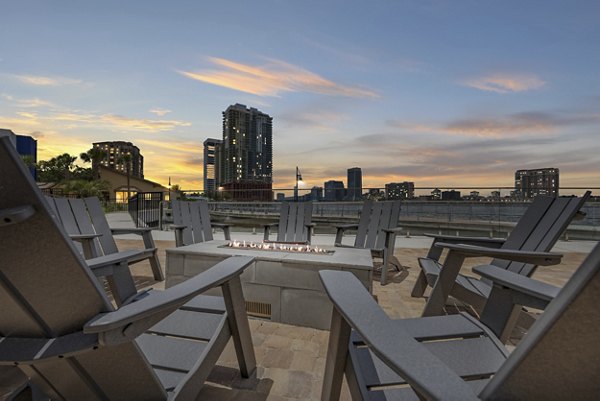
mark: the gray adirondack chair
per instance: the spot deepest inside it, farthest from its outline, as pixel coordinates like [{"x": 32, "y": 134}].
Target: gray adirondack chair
[
  {"x": 59, "y": 328},
  {"x": 376, "y": 230},
  {"x": 192, "y": 223},
  {"x": 85, "y": 222},
  {"x": 294, "y": 223},
  {"x": 456, "y": 357},
  {"x": 537, "y": 231}
]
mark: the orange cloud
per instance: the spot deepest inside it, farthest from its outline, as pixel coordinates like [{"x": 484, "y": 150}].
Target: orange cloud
[
  {"x": 273, "y": 79},
  {"x": 505, "y": 83}
]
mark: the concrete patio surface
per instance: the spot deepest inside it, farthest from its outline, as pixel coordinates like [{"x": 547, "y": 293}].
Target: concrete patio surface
[{"x": 291, "y": 359}]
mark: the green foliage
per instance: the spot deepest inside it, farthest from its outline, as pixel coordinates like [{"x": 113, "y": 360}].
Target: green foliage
[
  {"x": 57, "y": 169},
  {"x": 85, "y": 188},
  {"x": 93, "y": 156}
]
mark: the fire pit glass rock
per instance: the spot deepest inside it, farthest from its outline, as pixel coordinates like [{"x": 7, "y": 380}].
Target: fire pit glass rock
[{"x": 277, "y": 246}]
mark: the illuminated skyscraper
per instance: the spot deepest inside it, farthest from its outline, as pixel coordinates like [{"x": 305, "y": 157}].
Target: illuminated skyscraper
[{"x": 211, "y": 166}]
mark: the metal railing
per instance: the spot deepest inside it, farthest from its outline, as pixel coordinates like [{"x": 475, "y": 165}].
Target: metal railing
[{"x": 145, "y": 208}]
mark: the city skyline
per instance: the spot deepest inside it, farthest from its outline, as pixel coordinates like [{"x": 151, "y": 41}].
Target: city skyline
[{"x": 444, "y": 94}]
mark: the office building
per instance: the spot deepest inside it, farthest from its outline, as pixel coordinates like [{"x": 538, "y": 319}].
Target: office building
[
  {"x": 354, "y": 191},
  {"x": 211, "y": 166},
  {"x": 247, "y": 151},
  {"x": 334, "y": 191},
  {"x": 114, "y": 151},
  {"x": 530, "y": 183},
  {"x": 400, "y": 190}
]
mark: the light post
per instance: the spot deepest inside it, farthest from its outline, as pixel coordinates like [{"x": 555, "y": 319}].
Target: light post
[{"x": 298, "y": 180}]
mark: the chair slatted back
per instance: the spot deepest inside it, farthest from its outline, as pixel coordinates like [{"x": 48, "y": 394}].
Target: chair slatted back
[
  {"x": 539, "y": 228},
  {"x": 98, "y": 219},
  {"x": 47, "y": 291},
  {"x": 374, "y": 218},
  {"x": 559, "y": 358},
  {"x": 196, "y": 217},
  {"x": 293, "y": 221}
]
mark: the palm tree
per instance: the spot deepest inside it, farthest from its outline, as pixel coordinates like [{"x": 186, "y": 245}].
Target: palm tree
[
  {"x": 94, "y": 156},
  {"x": 84, "y": 188}
]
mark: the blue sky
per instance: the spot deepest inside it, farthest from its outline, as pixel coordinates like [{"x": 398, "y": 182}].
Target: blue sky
[{"x": 442, "y": 93}]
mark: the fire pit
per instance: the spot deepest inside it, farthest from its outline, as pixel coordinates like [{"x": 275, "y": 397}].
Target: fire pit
[{"x": 277, "y": 246}]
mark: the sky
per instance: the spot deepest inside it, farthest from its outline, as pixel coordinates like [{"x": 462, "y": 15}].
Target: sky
[{"x": 442, "y": 93}]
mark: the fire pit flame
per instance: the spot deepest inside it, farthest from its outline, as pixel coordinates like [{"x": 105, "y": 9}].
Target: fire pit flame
[{"x": 277, "y": 246}]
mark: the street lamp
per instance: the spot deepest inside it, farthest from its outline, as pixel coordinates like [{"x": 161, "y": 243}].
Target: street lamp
[{"x": 298, "y": 180}]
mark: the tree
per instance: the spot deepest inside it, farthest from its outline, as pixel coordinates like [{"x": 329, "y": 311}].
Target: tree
[
  {"x": 86, "y": 188},
  {"x": 57, "y": 169},
  {"x": 94, "y": 156}
]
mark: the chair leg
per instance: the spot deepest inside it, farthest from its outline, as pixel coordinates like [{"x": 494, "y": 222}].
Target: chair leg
[
  {"x": 240, "y": 328},
  {"x": 337, "y": 354},
  {"x": 420, "y": 286},
  {"x": 156, "y": 269}
]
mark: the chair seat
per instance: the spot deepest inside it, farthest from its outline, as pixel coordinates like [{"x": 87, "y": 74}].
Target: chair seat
[
  {"x": 449, "y": 338},
  {"x": 472, "y": 285}
]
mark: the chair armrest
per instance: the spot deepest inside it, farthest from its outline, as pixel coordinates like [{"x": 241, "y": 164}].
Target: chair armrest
[
  {"x": 225, "y": 228},
  {"x": 132, "y": 230},
  {"x": 83, "y": 237},
  {"x": 87, "y": 244},
  {"x": 465, "y": 239},
  {"x": 428, "y": 375},
  {"x": 177, "y": 226},
  {"x": 435, "y": 253},
  {"x": 134, "y": 318},
  {"x": 345, "y": 227},
  {"x": 536, "y": 258},
  {"x": 395, "y": 230},
  {"x": 104, "y": 265},
  {"x": 517, "y": 282},
  {"x": 340, "y": 232},
  {"x": 271, "y": 225}
]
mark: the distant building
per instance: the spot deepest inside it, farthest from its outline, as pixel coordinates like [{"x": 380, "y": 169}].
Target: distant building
[
  {"x": 354, "y": 191},
  {"x": 247, "y": 150},
  {"x": 211, "y": 166},
  {"x": 114, "y": 150},
  {"x": 530, "y": 183},
  {"x": 436, "y": 194},
  {"x": 495, "y": 195},
  {"x": 117, "y": 184},
  {"x": 248, "y": 191},
  {"x": 400, "y": 190},
  {"x": 26, "y": 147},
  {"x": 316, "y": 193},
  {"x": 334, "y": 191},
  {"x": 451, "y": 195}
]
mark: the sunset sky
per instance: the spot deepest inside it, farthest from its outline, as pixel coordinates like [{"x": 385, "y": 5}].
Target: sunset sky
[{"x": 442, "y": 93}]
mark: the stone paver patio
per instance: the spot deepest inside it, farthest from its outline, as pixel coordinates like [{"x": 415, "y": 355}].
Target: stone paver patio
[{"x": 291, "y": 359}]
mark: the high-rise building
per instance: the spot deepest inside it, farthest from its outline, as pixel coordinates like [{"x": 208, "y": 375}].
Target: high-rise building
[
  {"x": 400, "y": 190},
  {"x": 211, "y": 166},
  {"x": 530, "y": 183},
  {"x": 334, "y": 190},
  {"x": 247, "y": 149},
  {"x": 113, "y": 157},
  {"x": 247, "y": 145},
  {"x": 354, "y": 191}
]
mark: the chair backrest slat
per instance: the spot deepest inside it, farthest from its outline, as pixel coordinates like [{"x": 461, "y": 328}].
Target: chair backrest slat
[
  {"x": 83, "y": 221},
  {"x": 293, "y": 220},
  {"x": 195, "y": 216},
  {"x": 539, "y": 228},
  {"x": 374, "y": 218},
  {"x": 101, "y": 226}
]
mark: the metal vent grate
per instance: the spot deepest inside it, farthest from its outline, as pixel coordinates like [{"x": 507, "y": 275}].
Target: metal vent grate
[{"x": 258, "y": 309}]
